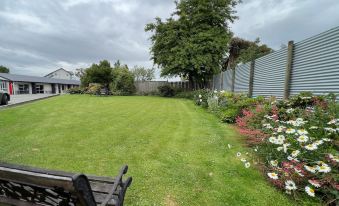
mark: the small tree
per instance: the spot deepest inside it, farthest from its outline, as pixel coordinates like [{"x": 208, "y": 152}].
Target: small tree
[
  {"x": 98, "y": 73},
  {"x": 143, "y": 74},
  {"x": 4, "y": 69},
  {"x": 123, "y": 80}
]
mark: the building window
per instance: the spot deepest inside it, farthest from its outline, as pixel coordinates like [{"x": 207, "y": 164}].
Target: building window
[
  {"x": 63, "y": 87},
  {"x": 23, "y": 89},
  {"x": 39, "y": 89},
  {"x": 3, "y": 86}
]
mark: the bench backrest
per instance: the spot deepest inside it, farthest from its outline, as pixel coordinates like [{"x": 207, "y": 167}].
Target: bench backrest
[{"x": 21, "y": 185}]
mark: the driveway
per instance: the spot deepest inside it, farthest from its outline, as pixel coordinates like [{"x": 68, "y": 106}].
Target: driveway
[{"x": 23, "y": 98}]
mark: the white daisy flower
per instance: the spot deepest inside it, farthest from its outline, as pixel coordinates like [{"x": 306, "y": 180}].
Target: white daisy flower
[
  {"x": 318, "y": 142},
  {"x": 292, "y": 158},
  {"x": 295, "y": 153},
  {"x": 324, "y": 168},
  {"x": 280, "y": 130},
  {"x": 328, "y": 129},
  {"x": 279, "y": 141},
  {"x": 280, "y": 149},
  {"x": 302, "y": 131},
  {"x": 272, "y": 139},
  {"x": 215, "y": 91},
  {"x": 274, "y": 163},
  {"x": 299, "y": 172},
  {"x": 290, "y": 131},
  {"x": 314, "y": 127},
  {"x": 222, "y": 91},
  {"x": 326, "y": 139},
  {"x": 315, "y": 183},
  {"x": 290, "y": 122},
  {"x": 310, "y": 191},
  {"x": 285, "y": 146},
  {"x": 290, "y": 110},
  {"x": 333, "y": 121},
  {"x": 310, "y": 169},
  {"x": 333, "y": 158},
  {"x": 238, "y": 154},
  {"x": 200, "y": 100},
  {"x": 290, "y": 185},
  {"x": 302, "y": 138},
  {"x": 243, "y": 160},
  {"x": 247, "y": 165},
  {"x": 200, "y": 96},
  {"x": 311, "y": 147},
  {"x": 273, "y": 175},
  {"x": 282, "y": 137}
]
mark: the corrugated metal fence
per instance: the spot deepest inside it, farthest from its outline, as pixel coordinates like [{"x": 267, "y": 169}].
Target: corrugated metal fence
[{"x": 314, "y": 67}]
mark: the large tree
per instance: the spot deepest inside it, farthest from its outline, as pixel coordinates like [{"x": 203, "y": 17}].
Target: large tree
[
  {"x": 193, "y": 41},
  {"x": 4, "y": 69}
]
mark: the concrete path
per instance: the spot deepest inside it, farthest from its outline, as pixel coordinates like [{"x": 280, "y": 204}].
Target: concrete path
[{"x": 24, "y": 98}]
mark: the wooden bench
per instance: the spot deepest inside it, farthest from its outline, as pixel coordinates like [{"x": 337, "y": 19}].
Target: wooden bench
[{"x": 28, "y": 186}]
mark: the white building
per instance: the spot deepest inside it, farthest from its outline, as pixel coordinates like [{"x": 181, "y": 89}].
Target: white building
[
  {"x": 22, "y": 84},
  {"x": 60, "y": 74}
]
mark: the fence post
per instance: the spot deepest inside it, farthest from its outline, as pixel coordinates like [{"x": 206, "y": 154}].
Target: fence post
[
  {"x": 288, "y": 69},
  {"x": 233, "y": 79},
  {"x": 250, "y": 86}
]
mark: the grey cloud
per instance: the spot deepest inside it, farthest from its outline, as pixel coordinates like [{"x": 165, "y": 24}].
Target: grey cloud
[{"x": 39, "y": 36}]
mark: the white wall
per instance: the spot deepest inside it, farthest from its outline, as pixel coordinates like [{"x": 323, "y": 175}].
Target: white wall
[
  {"x": 16, "y": 87},
  {"x": 60, "y": 74}
]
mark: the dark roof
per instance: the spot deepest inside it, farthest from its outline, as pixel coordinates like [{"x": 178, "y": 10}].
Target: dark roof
[
  {"x": 58, "y": 70},
  {"x": 24, "y": 78}
]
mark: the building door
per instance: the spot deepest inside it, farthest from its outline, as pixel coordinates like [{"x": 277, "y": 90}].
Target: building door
[
  {"x": 53, "y": 89},
  {"x": 33, "y": 88}
]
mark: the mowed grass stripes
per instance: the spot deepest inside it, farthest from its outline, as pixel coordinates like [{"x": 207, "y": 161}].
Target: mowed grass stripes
[{"x": 177, "y": 153}]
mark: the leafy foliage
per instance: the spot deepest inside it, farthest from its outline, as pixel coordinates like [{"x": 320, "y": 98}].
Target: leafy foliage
[
  {"x": 123, "y": 80},
  {"x": 98, "y": 73},
  {"x": 193, "y": 41},
  {"x": 4, "y": 69},
  {"x": 243, "y": 51},
  {"x": 143, "y": 74},
  {"x": 166, "y": 91}
]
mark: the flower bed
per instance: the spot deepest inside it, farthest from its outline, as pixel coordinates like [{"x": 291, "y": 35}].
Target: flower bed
[{"x": 296, "y": 140}]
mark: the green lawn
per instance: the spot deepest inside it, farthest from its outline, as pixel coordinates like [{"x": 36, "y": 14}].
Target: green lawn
[{"x": 177, "y": 152}]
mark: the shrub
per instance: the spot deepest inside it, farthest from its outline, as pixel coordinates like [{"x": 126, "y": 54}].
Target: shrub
[
  {"x": 123, "y": 82},
  {"x": 297, "y": 140},
  {"x": 166, "y": 91},
  {"x": 75, "y": 90},
  {"x": 94, "y": 89}
]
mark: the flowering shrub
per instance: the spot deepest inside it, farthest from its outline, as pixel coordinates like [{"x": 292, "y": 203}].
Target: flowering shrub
[
  {"x": 226, "y": 105},
  {"x": 298, "y": 140}
]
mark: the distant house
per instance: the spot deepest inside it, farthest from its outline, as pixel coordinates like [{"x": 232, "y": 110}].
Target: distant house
[
  {"x": 22, "y": 84},
  {"x": 60, "y": 74}
]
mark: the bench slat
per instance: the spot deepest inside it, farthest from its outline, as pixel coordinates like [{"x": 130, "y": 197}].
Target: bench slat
[{"x": 36, "y": 179}]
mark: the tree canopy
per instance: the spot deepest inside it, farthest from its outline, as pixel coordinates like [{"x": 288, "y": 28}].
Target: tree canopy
[
  {"x": 193, "y": 41},
  {"x": 4, "y": 69},
  {"x": 142, "y": 74},
  {"x": 98, "y": 73},
  {"x": 243, "y": 51}
]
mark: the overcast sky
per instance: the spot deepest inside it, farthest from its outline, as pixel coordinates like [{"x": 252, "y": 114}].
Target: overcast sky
[{"x": 39, "y": 36}]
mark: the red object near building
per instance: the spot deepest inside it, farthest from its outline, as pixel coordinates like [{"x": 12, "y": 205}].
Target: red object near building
[{"x": 11, "y": 88}]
